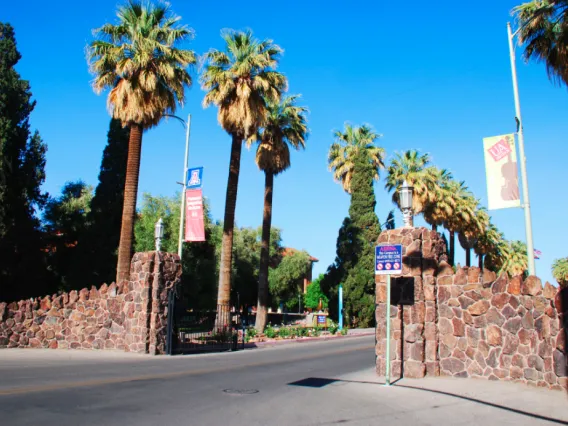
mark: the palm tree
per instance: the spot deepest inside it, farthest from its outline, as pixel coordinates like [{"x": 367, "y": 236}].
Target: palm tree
[
  {"x": 472, "y": 229},
  {"x": 239, "y": 81},
  {"x": 285, "y": 126},
  {"x": 543, "y": 29},
  {"x": 462, "y": 214},
  {"x": 443, "y": 205},
  {"x": 516, "y": 260},
  {"x": 488, "y": 242},
  {"x": 417, "y": 171},
  {"x": 342, "y": 153},
  {"x": 139, "y": 60},
  {"x": 560, "y": 271}
]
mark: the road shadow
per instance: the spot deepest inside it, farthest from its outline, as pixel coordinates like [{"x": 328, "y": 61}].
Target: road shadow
[{"x": 320, "y": 382}]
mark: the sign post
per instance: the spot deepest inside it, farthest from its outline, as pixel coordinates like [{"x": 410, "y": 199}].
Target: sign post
[{"x": 388, "y": 261}]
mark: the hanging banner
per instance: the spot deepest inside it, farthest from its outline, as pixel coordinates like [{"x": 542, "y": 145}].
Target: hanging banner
[
  {"x": 501, "y": 172},
  {"x": 194, "y": 224},
  {"x": 194, "y": 178}
]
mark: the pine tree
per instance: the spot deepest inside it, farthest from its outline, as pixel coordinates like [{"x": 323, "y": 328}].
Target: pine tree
[
  {"x": 106, "y": 207},
  {"x": 364, "y": 230},
  {"x": 22, "y": 163}
]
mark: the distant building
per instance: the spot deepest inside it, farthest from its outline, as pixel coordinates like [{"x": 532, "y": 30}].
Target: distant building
[{"x": 308, "y": 277}]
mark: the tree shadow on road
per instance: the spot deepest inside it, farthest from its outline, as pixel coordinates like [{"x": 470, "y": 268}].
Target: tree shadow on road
[{"x": 320, "y": 382}]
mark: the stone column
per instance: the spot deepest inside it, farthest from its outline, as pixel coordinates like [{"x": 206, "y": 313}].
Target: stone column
[{"x": 413, "y": 327}]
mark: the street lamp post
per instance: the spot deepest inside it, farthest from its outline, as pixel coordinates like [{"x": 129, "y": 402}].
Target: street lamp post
[
  {"x": 522, "y": 159},
  {"x": 185, "y": 166},
  {"x": 159, "y": 233},
  {"x": 405, "y": 197}
]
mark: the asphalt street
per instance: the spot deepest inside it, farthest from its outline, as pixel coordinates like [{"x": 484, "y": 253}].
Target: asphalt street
[{"x": 316, "y": 383}]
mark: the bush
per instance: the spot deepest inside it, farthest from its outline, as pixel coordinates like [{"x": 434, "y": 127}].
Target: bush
[
  {"x": 316, "y": 331},
  {"x": 332, "y": 326},
  {"x": 303, "y": 332},
  {"x": 344, "y": 331},
  {"x": 270, "y": 332},
  {"x": 250, "y": 334},
  {"x": 284, "y": 332}
]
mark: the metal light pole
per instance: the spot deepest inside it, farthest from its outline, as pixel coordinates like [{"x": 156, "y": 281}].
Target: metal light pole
[
  {"x": 185, "y": 166},
  {"x": 522, "y": 158},
  {"x": 340, "y": 307}
]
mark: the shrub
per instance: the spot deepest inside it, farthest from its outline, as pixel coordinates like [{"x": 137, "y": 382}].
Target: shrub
[
  {"x": 284, "y": 332},
  {"x": 250, "y": 334},
  {"x": 303, "y": 331},
  {"x": 332, "y": 326},
  {"x": 316, "y": 331},
  {"x": 270, "y": 332},
  {"x": 314, "y": 294},
  {"x": 344, "y": 331}
]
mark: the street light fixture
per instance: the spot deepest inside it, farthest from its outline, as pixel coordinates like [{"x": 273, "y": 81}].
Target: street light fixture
[
  {"x": 406, "y": 193},
  {"x": 159, "y": 233}
]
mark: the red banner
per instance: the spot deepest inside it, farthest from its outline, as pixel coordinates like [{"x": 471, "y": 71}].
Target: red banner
[{"x": 194, "y": 224}]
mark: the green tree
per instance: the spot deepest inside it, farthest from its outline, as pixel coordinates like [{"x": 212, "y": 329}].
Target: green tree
[
  {"x": 106, "y": 207},
  {"x": 22, "y": 164},
  {"x": 239, "y": 82},
  {"x": 66, "y": 224},
  {"x": 314, "y": 294},
  {"x": 342, "y": 154},
  {"x": 417, "y": 171},
  {"x": 139, "y": 60},
  {"x": 560, "y": 271},
  {"x": 543, "y": 29},
  {"x": 515, "y": 260},
  {"x": 286, "y": 280},
  {"x": 365, "y": 229},
  {"x": 356, "y": 168},
  {"x": 285, "y": 126}
]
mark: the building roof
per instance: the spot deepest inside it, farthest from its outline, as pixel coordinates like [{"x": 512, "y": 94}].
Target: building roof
[{"x": 287, "y": 251}]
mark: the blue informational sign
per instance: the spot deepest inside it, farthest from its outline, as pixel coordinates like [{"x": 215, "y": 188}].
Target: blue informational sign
[
  {"x": 388, "y": 259},
  {"x": 194, "y": 178}
]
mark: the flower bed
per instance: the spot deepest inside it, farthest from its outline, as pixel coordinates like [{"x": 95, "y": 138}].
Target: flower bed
[{"x": 283, "y": 332}]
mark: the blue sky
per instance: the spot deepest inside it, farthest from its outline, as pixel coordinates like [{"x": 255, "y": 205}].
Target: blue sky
[{"x": 430, "y": 76}]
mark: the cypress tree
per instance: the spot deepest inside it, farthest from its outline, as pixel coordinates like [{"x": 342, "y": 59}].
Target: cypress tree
[
  {"x": 364, "y": 230},
  {"x": 106, "y": 207},
  {"x": 22, "y": 164}
]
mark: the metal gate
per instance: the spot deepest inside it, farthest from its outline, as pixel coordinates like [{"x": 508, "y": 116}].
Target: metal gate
[{"x": 203, "y": 330}]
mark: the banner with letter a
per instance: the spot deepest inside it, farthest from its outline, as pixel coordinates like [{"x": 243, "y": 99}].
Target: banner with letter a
[
  {"x": 501, "y": 171},
  {"x": 194, "y": 221}
]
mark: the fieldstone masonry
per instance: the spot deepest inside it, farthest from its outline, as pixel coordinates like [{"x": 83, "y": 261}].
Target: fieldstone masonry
[
  {"x": 131, "y": 316},
  {"x": 469, "y": 323}
]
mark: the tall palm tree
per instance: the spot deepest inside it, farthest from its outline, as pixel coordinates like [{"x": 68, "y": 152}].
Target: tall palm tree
[
  {"x": 285, "y": 126},
  {"x": 443, "y": 204},
  {"x": 488, "y": 242},
  {"x": 463, "y": 212},
  {"x": 140, "y": 61},
  {"x": 472, "y": 229},
  {"x": 543, "y": 29},
  {"x": 515, "y": 261},
  {"x": 342, "y": 153},
  {"x": 417, "y": 171},
  {"x": 239, "y": 81}
]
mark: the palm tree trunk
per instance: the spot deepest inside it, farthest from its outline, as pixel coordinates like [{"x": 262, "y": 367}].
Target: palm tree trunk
[
  {"x": 480, "y": 261},
  {"x": 129, "y": 207},
  {"x": 467, "y": 257},
  {"x": 264, "y": 253},
  {"x": 224, "y": 292},
  {"x": 434, "y": 227},
  {"x": 452, "y": 247}
]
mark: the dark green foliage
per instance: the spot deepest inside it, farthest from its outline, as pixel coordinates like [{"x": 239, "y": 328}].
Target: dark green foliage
[
  {"x": 354, "y": 263},
  {"x": 286, "y": 280},
  {"x": 314, "y": 294},
  {"x": 66, "y": 224},
  {"x": 22, "y": 162},
  {"x": 106, "y": 207}
]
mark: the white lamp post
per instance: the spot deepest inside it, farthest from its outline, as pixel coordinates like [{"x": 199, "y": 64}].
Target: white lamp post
[
  {"x": 405, "y": 196},
  {"x": 159, "y": 233}
]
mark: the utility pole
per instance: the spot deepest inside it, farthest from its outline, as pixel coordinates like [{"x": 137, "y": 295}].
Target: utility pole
[
  {"x": 185, "y": 166},
  {"x": 526, "y": 203}
]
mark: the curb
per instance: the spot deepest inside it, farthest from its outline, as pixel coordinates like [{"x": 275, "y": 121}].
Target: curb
[{"x": 304, "y": 340}]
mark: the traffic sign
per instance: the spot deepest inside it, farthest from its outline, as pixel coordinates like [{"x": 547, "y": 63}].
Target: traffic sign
[{"x": 388, "y": 259}]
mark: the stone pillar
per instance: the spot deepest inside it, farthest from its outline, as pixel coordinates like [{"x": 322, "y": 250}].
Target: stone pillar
[
  {"x": 413, "y": 327},
  {"x": 152, "y": 275}
]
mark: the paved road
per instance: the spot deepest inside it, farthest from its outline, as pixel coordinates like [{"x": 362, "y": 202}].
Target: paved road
[{"x": 316, "y": 383}]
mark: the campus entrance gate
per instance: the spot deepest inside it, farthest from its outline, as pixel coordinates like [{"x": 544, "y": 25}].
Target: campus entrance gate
[{"x": 203, "y": 330}]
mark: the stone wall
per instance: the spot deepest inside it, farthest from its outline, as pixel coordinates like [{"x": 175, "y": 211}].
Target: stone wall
[
  {"x": 130, "y": 316},
  {"x": 500, "y": 329},
  {"x": 468, "y": 323}
]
